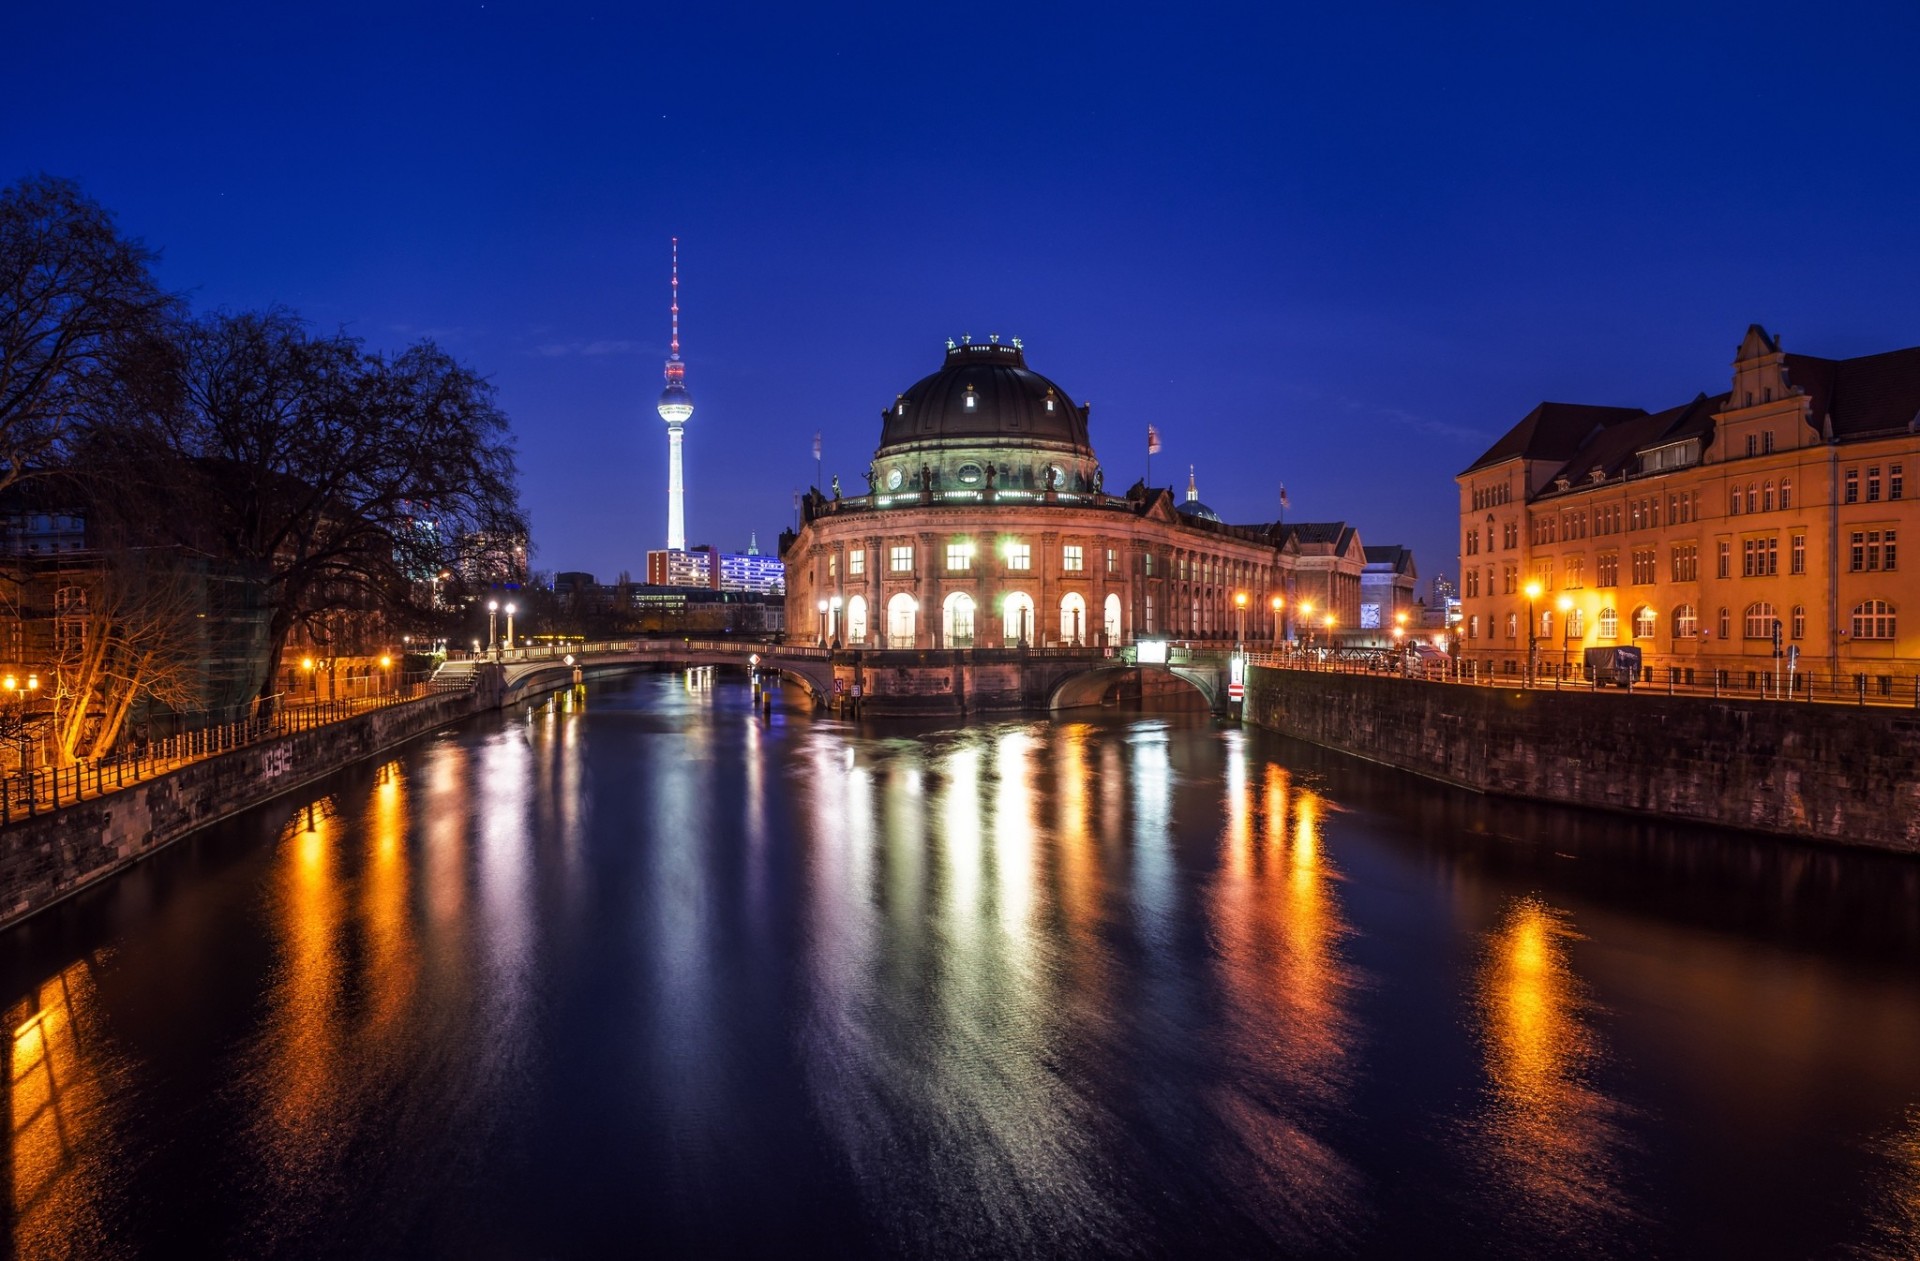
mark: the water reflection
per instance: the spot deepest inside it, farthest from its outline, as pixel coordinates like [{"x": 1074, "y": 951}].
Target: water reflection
[
  {"x": 61, "y": 1119},
  {"x": 1549, "y": 1139},
  {"x": 688, "y": 981},
  {"x": 1289, "y": 1032}
]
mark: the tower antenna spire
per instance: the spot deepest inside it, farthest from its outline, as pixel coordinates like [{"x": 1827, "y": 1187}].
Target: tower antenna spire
[{"x": 675, "y": 345}]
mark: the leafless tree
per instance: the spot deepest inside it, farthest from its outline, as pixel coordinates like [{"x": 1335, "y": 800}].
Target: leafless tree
[{"x": 80, "y": 317}]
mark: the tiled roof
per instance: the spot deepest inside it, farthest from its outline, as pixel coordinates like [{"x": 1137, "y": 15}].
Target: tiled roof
[
  {"x": 1554, "y": 431},
  {"x": 1871, "y": 394}
]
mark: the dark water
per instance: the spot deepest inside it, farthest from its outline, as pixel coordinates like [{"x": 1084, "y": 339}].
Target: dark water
[{"x": 653, "y": 977}]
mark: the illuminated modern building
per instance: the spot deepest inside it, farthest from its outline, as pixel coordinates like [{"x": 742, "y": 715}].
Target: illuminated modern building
[
  {"x": 1735, "y": 534},
  {"x": 718, "y": 571},
  {"x": 986, "y": 523},
  {"x": 676, "y": 408}
]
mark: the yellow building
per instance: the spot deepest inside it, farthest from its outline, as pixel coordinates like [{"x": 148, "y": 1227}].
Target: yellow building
[{"x": 1732, "y": 534}]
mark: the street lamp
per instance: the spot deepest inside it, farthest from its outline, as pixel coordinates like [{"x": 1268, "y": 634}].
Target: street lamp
[
  {"x": 1566, "y": 630},
  {"x": 1277, "y": 604},
  {"x": 1533, "y": 629},
  {"x": 386, "y": 664},
  {"x": 1240, "y": 616},
  {"x": 833, "y": 621},
  {"x": 509, "y": 626},
  {"x": 493, "y": 615},
  {"x": 823, "y": 623}
]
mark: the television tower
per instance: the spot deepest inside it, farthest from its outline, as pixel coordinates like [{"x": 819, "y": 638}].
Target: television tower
[{"x": 675, "y": 406}]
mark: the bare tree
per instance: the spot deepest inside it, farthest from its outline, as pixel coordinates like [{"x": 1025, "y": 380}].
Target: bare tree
[
  {"x": 346, "y": 479},
  {"x": 80, "y": 316}
]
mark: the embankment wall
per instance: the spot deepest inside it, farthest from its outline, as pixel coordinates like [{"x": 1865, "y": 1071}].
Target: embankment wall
[{"x": 1825, "y": 772}]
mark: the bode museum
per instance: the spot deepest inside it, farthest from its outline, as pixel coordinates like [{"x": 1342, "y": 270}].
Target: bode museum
[{"x": 988, "y": 523}]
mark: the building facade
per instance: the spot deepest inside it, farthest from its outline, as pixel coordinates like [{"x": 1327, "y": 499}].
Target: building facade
[
  {"x": 986, "y": 523},
  {"x": 1731, "y": 537}
]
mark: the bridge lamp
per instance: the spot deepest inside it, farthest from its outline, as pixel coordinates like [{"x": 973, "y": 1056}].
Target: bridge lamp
[
  {"x": 509, "y": 626},
  {"x": 1240, "y": 620},
  {"x": 493, "y": 612},
  {"x": 823, "y": 623},
  {"x": 1277, "y": 604}
]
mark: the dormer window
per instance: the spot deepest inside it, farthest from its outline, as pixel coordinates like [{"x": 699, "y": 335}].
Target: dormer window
[{"x": 970, "y": 398}]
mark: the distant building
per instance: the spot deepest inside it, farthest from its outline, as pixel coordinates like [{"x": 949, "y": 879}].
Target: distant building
[
  {"x": 729, "y": 571},
  {"x": 1722, "y": 536}
]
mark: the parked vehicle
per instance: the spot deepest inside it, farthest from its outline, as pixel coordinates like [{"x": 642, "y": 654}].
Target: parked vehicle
[{"x": 1618, "y": 666}]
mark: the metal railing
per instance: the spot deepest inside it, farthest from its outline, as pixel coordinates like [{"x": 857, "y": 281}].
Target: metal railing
[
  {"x": 1730, "y": 683},
  {"x": 32, "y": 791}
]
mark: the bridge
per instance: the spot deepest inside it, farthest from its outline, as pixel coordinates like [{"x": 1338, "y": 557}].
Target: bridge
[{"x": 961, "y": 680}]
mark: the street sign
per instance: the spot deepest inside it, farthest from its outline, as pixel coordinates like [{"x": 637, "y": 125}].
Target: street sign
[
  {"x": 839, "y": 686},
  {"x": 1236, "y": 691}
]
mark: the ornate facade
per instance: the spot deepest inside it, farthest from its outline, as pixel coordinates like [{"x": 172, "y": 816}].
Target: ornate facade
[{"x": 987, "y": 524}]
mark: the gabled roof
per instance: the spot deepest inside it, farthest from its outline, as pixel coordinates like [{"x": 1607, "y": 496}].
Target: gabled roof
[
  {"x": 1399, "y": 558},
  {"x": 1553, "y": 432},
  {"x": 1336, "y": 537},
  {"x": 1871, "y": 394}
]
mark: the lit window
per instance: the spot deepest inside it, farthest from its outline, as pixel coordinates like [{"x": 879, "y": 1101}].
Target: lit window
[
  {"x": 1644, "y": 621},
  {"x": 1113, "y": 561},
  {"x": 1609, "y": 624},
  {"x": 959, "y": 556},
  {"x": 900, "y": 560},
  {"x": 1686, "y": 622},
  {"x": 1019, "y": 556},
  {"x": 1873, "y": 619},
  {"x": 1072, "y": 560},
  {"x": 1760, "y": 621},
  {"x": 856, "y": 562}
]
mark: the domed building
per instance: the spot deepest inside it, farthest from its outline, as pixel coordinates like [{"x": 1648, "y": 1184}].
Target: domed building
[{"x": 987, "y": 524}]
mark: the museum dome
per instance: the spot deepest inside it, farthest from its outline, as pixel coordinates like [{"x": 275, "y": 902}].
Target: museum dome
[{"x": 985, "y": 393}]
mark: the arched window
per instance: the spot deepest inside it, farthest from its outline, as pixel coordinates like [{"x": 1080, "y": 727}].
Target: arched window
[
  {"x": 1017, "y": 619},
  {"x": 956, "y": 621},
  {"x": 1799, "y": 621},
  {"x": 1753, "y": 497},
  {"x": 1576, "y": 624},
  {"x": 857, "y": 620},
  {"x": 1546, "y": 624},
  {"x": 1513, "y": 626},
  {"x": 1726, "y": 624},
  {"x": 1760, "y": 620},
  {"x": 1609, "y": 624},
  {"x": 1786, "y": 493},
  {"x": 1766, "y": 496},
  {"x": 1073, "y": 619},
  {"x": 1111, "y": 623},
  {"x": 902, "y": 621},
  {"x": 1645, "y": 620},
  {"x": 1733, "y": 502},
  {"x": 1873, "y": 619},
  {"x": 1686, "y": 622}
]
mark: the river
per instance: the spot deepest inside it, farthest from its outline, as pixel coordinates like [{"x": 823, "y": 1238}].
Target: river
[{"x": 648, "y": 974}]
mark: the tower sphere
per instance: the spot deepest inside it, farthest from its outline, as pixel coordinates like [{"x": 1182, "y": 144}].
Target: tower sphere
[{"x": 676, "y": 404}]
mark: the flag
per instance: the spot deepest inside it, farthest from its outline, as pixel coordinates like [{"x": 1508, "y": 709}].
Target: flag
[
  {"x": 1153, "y": 441},
  {"x": 1284, "y": 503},
  {"x": 816, "y": 444}
]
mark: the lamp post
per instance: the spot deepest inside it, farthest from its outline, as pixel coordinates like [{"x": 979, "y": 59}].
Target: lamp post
[
  {"x": 1566, "y": 631},
  {"x": 386, "y": 669},
  {"x": 823, "y": 623},
  {"x": 1277, "y": 604},
  {"x": 493, "y": 616},
  {"x": 509, "y": 626},
  {"x": 1306, "y": 619},
  {"x": 1533, "y": 630},
  {"x": 1240, "y": 619},
  {"x": 833, "y": 620},
  {"x": 18, "y": 698},
  {"x": 1330, "y": 622}
]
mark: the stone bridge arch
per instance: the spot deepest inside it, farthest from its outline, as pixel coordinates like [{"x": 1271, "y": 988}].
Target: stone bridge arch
[{"x": 1082, "y": 688}]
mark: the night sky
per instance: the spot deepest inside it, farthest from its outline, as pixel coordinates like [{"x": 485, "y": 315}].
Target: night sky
[{"x": 1341, "y": 248}]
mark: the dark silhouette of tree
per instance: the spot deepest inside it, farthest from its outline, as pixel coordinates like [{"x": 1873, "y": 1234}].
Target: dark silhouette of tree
[
  {"x": 80, "y": 319},
  {"x": 347, "y": 479}
]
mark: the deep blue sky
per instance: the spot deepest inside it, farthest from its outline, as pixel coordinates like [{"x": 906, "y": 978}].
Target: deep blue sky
[{"x": 1342, "y": 247}]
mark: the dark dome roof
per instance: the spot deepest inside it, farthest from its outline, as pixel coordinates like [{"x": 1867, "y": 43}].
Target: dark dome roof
[
  {"x": 1194, "y": 508},
  {"x": 1008, "y": 403}
]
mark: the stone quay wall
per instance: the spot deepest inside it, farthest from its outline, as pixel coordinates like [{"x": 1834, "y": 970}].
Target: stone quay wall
[
  {"x": 1835, "y": 773},
  {"x": 44, "y": 859}
]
